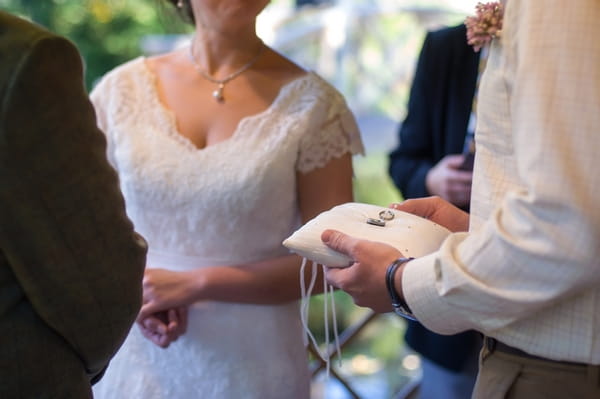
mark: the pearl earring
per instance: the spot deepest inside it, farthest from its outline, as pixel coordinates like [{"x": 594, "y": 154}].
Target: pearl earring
[{"x": 180, "y": 4}]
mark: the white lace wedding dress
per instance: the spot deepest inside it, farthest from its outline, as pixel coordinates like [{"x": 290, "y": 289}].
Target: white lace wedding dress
[{"x": 230, "y": 203}]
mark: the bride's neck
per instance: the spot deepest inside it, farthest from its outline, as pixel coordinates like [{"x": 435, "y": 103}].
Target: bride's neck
[{"x": 215, "y": 51}]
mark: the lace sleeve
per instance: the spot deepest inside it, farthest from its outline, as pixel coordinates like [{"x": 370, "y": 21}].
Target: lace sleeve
[
  {"x": 99, "y": 97},
  {"x": 337, "y": 135}
]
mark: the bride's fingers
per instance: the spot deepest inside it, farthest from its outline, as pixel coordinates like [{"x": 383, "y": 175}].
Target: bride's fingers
[
  {"x": 172, "y": 323},
  {"x": 183, "y": 318},
  {"x": 177, "y": 322},
  {"x": 157, "y": 339},
  {"x": 148, "y": 308},
  {"x": 155, "y": 324}
]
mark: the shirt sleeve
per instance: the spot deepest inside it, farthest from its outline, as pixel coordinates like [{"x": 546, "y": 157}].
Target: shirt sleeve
[{"x": 537, "y": 248}]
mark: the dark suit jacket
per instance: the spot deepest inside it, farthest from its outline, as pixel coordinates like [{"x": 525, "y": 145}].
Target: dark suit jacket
[
  {"x": 436, "y": 124},
  {"x": 438, "y": 109},
  {"x": 70, "y": 263}
]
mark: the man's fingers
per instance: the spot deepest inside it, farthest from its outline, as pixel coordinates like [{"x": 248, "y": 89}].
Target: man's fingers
[
  {"x": 338, "y": 241},
  {"x": 459, "y": 177},
  {"x": 454, "y": 161},
  {"x": 423, "y": 207},
  {"x": 334, "y": 276}
]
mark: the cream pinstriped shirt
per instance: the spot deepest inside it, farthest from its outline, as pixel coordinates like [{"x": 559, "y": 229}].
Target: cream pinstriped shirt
[{"x": 529, "y": 271}]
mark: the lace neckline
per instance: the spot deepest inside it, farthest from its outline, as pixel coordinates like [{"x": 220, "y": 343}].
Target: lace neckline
[{"x": 168, "y": 120}]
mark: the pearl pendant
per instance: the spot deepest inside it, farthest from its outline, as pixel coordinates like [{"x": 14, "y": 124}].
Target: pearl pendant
[{"x": 218, "y": 94}]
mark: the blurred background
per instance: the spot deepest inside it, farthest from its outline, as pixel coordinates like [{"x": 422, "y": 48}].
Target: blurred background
[{"x": 365, "y": 48}]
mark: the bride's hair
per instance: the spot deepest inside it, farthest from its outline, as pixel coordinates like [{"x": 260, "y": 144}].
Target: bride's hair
[{"x": 185, "y": 11}]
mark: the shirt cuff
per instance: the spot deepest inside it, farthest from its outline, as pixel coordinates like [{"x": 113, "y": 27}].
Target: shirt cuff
[{"x": 424, "y": 293}]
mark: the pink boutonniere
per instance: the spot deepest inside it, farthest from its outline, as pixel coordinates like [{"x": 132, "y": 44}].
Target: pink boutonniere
[{"x": 485, "y": 25}]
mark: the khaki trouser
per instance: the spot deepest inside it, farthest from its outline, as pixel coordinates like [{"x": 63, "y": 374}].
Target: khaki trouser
[{"x": 507, "y": 376}]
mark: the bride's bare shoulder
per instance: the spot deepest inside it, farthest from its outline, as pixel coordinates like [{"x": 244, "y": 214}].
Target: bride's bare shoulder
[
  {"x": 281, "y": 67},
  {"x": 171, "y": 61}
]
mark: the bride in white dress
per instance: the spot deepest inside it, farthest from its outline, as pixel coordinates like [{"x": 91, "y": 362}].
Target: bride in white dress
[{"x": 223, "y": 149}]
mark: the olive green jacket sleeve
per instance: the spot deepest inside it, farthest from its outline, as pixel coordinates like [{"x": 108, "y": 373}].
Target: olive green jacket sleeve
[{"x": 71, "y": 264}]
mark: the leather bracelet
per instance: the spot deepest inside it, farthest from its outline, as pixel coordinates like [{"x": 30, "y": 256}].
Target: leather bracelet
[{"x": 400, "y": 306}]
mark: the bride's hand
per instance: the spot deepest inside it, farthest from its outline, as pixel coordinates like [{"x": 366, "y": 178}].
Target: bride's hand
[
  {"x": 165, "y": 327},
  {"x": 165, "y": 289}
]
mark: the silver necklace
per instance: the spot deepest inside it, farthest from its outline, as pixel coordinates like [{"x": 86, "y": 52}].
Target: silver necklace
[{"x": 218, "y": 93}]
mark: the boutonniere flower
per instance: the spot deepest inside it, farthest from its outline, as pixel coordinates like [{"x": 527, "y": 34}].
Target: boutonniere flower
[{"x": 485, "y": 25}]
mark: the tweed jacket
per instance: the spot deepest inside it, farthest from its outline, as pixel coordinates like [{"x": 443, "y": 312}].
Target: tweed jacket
[{"x": 71, "y": 264}]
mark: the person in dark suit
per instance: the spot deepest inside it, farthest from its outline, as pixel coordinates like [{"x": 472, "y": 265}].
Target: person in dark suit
[
  {"x": 430, "y": 160},
  {"x": 71, "y": 264}
]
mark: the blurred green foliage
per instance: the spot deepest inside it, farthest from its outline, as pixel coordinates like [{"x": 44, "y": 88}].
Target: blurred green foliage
[
  {"x": 107, "y": 32},
  {"x": 372, "y": 184}
]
